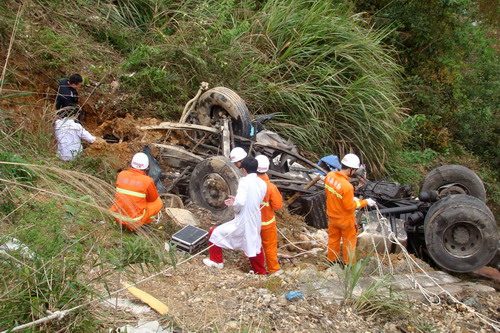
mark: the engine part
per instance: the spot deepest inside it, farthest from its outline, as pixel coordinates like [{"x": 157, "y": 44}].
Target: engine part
[{"x": 384, "y": 190}]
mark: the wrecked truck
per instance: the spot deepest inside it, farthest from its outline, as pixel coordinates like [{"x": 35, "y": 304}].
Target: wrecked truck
[{"x": 447, "y": 224}]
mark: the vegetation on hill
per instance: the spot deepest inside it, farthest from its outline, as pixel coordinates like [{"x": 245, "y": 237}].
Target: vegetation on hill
[{"x": 407, "y": 84}]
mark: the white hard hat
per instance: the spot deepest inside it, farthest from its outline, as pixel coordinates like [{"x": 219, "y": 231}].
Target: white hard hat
[
  {"x": 237, "y": 154},
  {"x": 140, "y": 161},
  {"x": 263, "y": 163},
  {"x": 351, "y": 161}
]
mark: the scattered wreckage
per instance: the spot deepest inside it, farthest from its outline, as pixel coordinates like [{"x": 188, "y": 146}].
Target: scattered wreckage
[{"x": 448, "y": 223}]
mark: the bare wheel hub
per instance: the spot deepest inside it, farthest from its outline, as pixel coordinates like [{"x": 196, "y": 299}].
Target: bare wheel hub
[
  {"x": 215, "y": 190},
  {"x": 462, "y": 239}
]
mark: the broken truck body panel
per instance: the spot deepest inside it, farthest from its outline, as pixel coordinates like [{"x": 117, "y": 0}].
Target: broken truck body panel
[{"x": 217, "y": 120}]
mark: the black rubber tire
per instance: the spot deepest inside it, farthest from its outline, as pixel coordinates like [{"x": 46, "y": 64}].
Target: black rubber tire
[
  {"x": 233, "y": 104},
  {"x": 220, "y": 168},
  {"x": 466, "y": 217},
  {"x": 314, "y": 209},
  {"x": 466, "y": 179}
]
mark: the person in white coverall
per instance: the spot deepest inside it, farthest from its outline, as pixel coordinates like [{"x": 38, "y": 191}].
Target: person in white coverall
[
  {"x": 242, "y": 232},
  {"x": 69, "y": 135}
]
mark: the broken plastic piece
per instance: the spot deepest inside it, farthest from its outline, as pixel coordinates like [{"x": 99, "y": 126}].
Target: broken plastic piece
[{"x": 294, "y": 295}]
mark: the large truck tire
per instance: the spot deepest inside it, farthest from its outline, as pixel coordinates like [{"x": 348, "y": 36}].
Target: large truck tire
[
  {"x": 222, "y": 98},
  {"x": 313, "y": 208},
  {"x": 460, "y": 233},
  {"x": 212, "y": 181},
  {"x": 454, "y": 179}
]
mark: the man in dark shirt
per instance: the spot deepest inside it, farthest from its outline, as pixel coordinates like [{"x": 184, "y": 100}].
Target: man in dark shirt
[{"x": 67, "y": 93}]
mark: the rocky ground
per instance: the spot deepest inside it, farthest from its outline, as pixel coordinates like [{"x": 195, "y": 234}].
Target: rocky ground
[{"x": 202, "y": 299}]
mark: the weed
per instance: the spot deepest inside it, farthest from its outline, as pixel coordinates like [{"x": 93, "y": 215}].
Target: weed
[
  {"x": 274, "y": 284},
  {"x": 352, "y": 274},
  {"x": 380, "y": 300},
  {"x": 426, "y": 327},
  {"x": 153, "y": 83},
  {"x": 53, "y": 49},
  {"x": 17, "y": 172},
  {"x": 138, "y": 249},
  {"x": 42, "y": 286}
]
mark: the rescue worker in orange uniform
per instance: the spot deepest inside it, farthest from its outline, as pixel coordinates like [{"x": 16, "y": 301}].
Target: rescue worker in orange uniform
[
  {"x": 136, "y": 196},
  {"x": 272, "y": 202},
  {"x": 340, "y": 209}
]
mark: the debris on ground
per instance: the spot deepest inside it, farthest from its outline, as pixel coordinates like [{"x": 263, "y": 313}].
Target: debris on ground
[
  {"x": 181, "y": 217},
  {"x": 14, "y": 244},
  {"x": 150, "y": 300},
  {"x": 229, "y": 300},
  {"x": 144, "y": 327}
]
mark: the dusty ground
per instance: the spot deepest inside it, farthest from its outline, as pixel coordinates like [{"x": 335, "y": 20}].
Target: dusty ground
[{"x": 202, "y": 299}]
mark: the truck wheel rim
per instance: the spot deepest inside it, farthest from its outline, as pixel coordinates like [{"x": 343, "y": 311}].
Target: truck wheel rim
[
  {"x": 462, "y": 239},
  {"x": 215, "y": 190}
]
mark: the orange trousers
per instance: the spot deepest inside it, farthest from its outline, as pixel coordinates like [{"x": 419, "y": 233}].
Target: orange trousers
[
  {"x": 152, "y": 208},
  {"x": 269, "y": 235},
  {"x": 338, "y": 230}
]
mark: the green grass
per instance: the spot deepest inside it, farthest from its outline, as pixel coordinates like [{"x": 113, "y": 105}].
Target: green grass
[
  {"x": 56, "y": 277},
  {"x": 60, "y": 215},
  {"x": 379, "y": 300},
  {"x": 316, "y": 62},
  {"x": 375, "y": 300}
]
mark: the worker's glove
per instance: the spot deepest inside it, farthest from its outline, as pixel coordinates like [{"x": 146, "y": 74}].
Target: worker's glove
[{"x": 371, "y": 202}]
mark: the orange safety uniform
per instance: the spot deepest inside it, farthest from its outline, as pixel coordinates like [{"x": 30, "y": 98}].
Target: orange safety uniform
[
  {"x": 136, "y": 198},
  {"x": 340, "y": 208},
  {"x": 269, "y": 231}
]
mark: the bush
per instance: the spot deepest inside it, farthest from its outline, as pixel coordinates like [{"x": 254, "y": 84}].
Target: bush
[
  {"x": 451, "y": 70},
  {"x": 313, "y": 61}
]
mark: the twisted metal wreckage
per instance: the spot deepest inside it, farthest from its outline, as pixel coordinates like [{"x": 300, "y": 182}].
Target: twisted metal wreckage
[{"x": 448, "y": 223}]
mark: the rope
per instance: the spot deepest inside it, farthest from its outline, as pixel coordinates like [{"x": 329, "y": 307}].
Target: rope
[
  {"x": 100, "y": 298},
  {"x": 431, "y": 297}
]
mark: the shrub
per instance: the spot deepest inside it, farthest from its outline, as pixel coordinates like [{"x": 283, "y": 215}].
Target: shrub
[
  {"x": 313, "y": 61},
  {"x": 451, "y": 70}
]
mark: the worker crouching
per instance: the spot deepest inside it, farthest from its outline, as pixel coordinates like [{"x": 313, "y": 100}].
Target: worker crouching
[
  {"x": 340, "y": 209},
  {"x": 242, "y": 232},
  {"x": 272, "y": 202},
  {"x": 136, "y": 196}
]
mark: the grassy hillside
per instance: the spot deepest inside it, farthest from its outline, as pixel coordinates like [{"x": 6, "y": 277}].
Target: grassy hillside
[
  {"x": 315, "y": 62},
  {"x": 338, "y": 83}
]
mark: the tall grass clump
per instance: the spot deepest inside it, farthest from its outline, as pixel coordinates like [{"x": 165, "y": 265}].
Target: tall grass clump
[
  {"x": 316, "y": 62},
  {"x": 374, "y": 299},
  {"x": 329, "y": 74}
]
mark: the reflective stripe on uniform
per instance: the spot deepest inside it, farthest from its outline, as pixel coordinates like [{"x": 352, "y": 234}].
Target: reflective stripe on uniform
[
  {"x": 358, "y": 203},
  {"x": 270, "y": 221},
  {"x": 127, "y": 219},
  {"x": 265, "y": 203},
  {"x": 131, "y": 193},
  {"x": 331, "y": 189}
]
